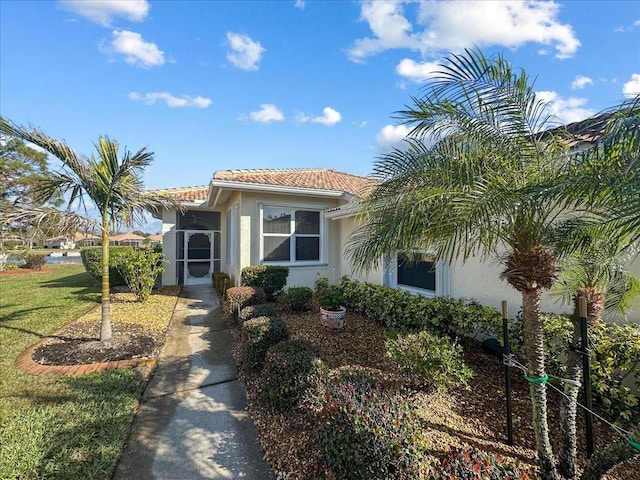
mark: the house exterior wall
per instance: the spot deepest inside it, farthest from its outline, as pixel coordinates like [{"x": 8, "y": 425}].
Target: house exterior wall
[{"x": 169, "y": 275}]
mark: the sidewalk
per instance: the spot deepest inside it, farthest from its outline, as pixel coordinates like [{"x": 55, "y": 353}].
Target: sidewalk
[{"x": 192, "y": 422}]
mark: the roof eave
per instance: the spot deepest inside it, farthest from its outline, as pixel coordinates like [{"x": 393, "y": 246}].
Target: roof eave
[{"x": 218, "y": 186}]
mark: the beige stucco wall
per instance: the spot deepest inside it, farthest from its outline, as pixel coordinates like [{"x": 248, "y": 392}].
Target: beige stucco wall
[{"x": 169, "y": 246}]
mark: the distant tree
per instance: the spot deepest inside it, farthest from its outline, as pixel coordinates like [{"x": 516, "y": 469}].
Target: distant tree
[
  {"x": 21, "y": 168},
  {"x": 141, "y": 233},
  {"x": 111, "y": 183}
]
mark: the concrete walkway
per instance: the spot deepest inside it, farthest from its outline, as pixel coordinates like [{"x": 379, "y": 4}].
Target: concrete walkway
[{"x": 192, "y": 422}]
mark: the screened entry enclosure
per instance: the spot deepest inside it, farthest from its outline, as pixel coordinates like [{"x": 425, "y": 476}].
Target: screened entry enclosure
[{"x": 197, "y": 246}]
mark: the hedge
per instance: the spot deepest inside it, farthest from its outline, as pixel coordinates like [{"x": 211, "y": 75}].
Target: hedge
[
  {"x": 271, "y": 278},
  {"x": 92, "y": 261}
]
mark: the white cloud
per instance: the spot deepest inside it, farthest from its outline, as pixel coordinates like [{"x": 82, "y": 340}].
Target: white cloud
[
  {"x": 567, "y": 110},
  {"x": 580, "y": 82},
  {"x": 104, "y": 12},
  {"x": 417, "y": 72},
  {"x": 245, "y": 53},
  {"x": 171, "y": 101},
  {"x": 329, "y": 117},
  {"x": 632, "y": 88},
  {"x": 299, "y": 4},
  {"x": 135, "y": 50},
  {"x": 636, "y": 23},
  {"x": 267, "y": 113},
  {"x": 443, "y": 25},
  {"x": 392, "y": 136}
]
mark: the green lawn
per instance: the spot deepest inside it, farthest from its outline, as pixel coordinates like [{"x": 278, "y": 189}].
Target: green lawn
[{"x": 57, "y": 427}]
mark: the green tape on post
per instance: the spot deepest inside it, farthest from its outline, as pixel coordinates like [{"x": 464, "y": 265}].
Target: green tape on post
[
  {"x": 541, "y": 379},
  {"x": 634, "y": 444}
]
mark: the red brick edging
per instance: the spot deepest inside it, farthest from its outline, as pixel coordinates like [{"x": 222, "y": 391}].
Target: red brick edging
[{"x": 25, "y": 360}]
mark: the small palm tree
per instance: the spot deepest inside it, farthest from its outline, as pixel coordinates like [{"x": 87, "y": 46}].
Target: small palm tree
[
  {"x": 111, "y": 183},
  {"x": 463, "y": 187}
]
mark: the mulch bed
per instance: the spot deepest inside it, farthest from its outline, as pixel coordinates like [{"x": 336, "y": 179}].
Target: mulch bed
[
  {"x": 79, "y": 343},
  {"x": 464, "y": 418}
]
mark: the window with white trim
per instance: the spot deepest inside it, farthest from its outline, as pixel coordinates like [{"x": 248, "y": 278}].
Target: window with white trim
[
  {"x": 418, "y": 273},
  {"x": 291, "y": 235}
]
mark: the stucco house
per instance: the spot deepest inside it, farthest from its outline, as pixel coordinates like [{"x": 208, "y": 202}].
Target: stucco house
[
  {"x": 127, "y": 239},
  {"x": 302, "y": 218}
]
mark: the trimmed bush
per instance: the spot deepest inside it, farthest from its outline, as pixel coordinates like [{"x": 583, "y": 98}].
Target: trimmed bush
[
  {"x": 140, "y": 269},
  {"x": 92, "y": 261},
  {"x": 237, "y": 298},
  {"x": 253, "y": 311},
  {"x": 431, "y": 358},
  {"x": 291, "y": 369},
  {"x": 474, "y": 464},
  {"x": 400, "y": 310},
  {"x": 370, "y": 431},
  {"x": 295, "y": 299},
  {"x": 271, "y": 278},
  {"x": 35, "y": 261},
  {"x": 221, "y": 282},
  {"x": 258, "y": 335}
]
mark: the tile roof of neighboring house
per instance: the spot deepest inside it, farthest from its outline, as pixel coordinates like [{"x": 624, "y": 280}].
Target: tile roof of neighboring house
[
  {"x": 186, "y": 194},
  {"x": 125, "y": 236},
  {"x": 318, "y": 178}
]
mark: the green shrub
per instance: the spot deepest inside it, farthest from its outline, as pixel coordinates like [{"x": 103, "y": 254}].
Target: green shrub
[
  {"x": 35, "y": 261},
  {"x": 614, "y": 360},
  {"x": 474, "y": 464},
  {"x": 258, "y": 335},
  {"x": 253, "y": 311},
  {"x": 400, "y": 310},
  {"x": 92, "y": 261},
  {"x": 369, "y": 431},
  {"x": 433, "y": 359},
  {"x": 221, "y": 282},
  {"x": 270, "y": 278},
  {"x": 329, "y": 296},
  {"x": 295, "y": 299},
  {"x": 291, "y": 369},
  {"x": 11, "y": 244},
  {"x": 237, "y": 298},
  {"x": 140, "y": 269}
]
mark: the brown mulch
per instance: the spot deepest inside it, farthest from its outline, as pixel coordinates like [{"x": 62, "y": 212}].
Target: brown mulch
[
  {"x": 79, "y": 343},
  {"x": 464, "y": 418}
]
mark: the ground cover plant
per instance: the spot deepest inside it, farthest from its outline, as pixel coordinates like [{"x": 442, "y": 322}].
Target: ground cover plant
[
  {"x": 66, "y": 427},
  {"x": 466, "y": 418}
]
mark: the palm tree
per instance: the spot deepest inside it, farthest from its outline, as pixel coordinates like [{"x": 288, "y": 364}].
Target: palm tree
[
  {"x": 596, "y": 273},
  {"x": 112, "y": 184},
  {"x": 463, "y": 186}
]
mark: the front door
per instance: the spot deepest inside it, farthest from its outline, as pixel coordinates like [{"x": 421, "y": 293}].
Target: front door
[{"x": 198, "y": 256}]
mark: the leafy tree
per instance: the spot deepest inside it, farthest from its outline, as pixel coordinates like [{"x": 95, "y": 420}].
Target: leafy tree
[
  {"x": 21, "y": 168},
  {"x": 111, "y": 183},
  {"x": 463, "y": 188}
]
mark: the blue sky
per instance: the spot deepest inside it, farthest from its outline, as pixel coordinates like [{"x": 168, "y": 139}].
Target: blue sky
[{"x": 211, "y": 85}]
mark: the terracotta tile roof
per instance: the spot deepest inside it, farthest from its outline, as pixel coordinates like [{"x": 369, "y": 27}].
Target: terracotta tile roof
[
  {"x": 319, "y": 178},
  {"x": 186, "y": 194},
  {"x": 125, "y": 236}
]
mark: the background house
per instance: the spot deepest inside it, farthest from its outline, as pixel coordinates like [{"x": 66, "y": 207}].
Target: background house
[{"x": 127, "y": 239}]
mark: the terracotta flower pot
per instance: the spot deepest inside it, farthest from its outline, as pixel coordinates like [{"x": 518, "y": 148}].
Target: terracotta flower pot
[{"x": 333, "y": 319}]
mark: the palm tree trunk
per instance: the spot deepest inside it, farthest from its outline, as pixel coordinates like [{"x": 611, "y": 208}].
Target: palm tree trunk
[
  {"x": 595, "y": 302},
  {"x": 534, "y": 349},
  {"x": 105, "y": 324},
  {"x": 569, "y": 409}
]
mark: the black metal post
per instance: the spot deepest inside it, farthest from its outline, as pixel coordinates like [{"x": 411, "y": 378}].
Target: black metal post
[
  {"x": 586, "y": 375},
  {"x": 507, "y": 371}
]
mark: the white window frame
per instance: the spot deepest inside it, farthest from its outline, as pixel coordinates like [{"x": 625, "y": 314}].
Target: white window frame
[
  {"x": 292, "y": 245},
  {"x": 442, "y": 277}
]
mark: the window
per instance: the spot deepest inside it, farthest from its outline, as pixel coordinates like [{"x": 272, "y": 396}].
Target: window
[
  {"x": 291, "y": 235},
  {"x": 418, "y": 273}
]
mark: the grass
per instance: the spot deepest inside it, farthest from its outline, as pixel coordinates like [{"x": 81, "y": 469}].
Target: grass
[{"x": 61, "y": 427}]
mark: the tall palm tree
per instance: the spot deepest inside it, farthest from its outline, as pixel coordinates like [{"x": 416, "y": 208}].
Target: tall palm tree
[
  {"x": 463, "y": 186},
  {"x": 111, "y": 183}
]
